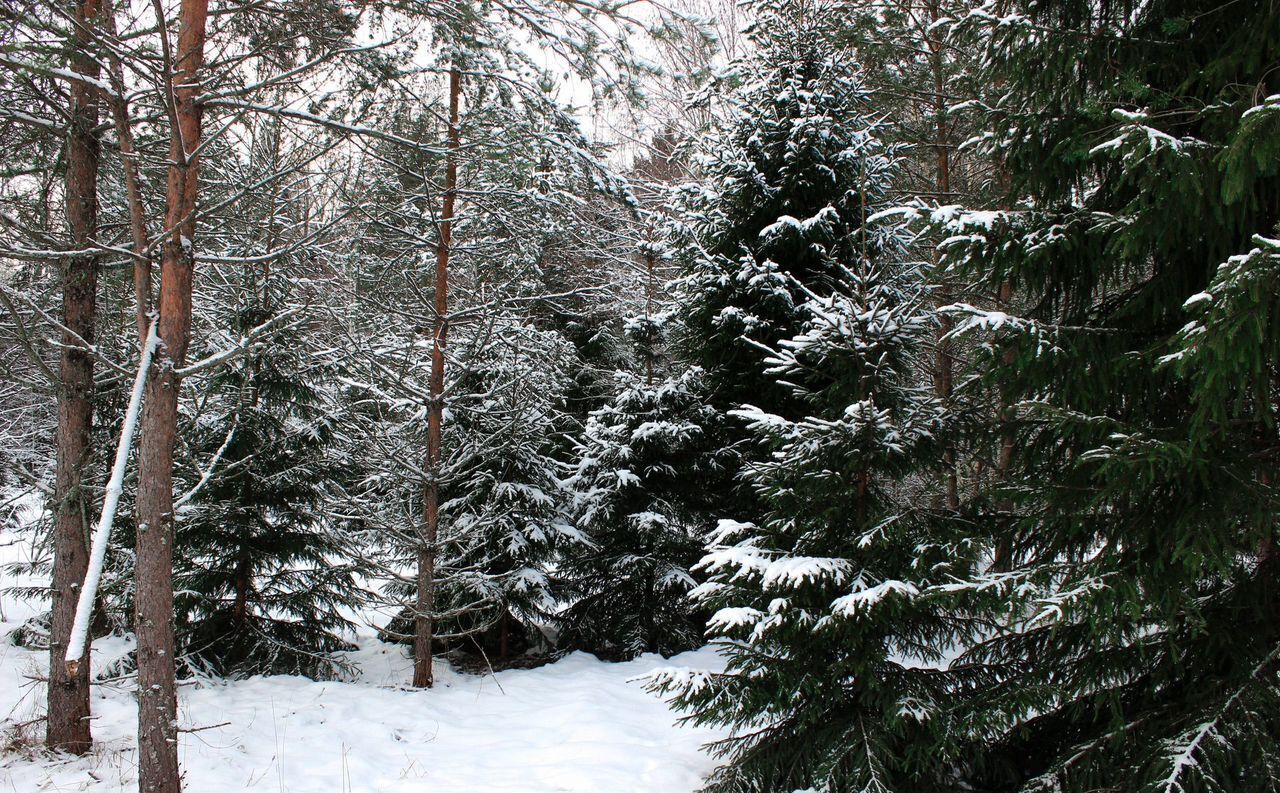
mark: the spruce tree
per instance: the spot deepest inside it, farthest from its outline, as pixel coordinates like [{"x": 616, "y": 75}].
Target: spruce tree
[
  {"x": 779, "y": 193},
  {"x": 647, "y": 466},
  {"x": 1140, "y": 647},
  {"x": 505, "y": 501},
  {"x": 265, "y": 578},
  {"x": 772, "y": 216},
  {"x": 831, "y": 606}
]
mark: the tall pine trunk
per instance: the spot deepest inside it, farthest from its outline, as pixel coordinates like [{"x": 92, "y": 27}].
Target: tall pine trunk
[
  {"x": 67, "y": 728},
  {"x": 157, "y": 695},
  {"x": 423, "y": 627}
]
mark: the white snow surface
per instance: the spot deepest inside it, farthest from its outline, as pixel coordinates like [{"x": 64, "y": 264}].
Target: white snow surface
[{"x": 574, "y": 725}]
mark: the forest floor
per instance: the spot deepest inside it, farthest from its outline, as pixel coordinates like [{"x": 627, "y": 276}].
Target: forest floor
[{"x": 574, "y": 725}]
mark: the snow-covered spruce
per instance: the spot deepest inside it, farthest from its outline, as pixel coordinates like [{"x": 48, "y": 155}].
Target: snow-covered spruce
[
  {"x": 648, "y": 465},
  {"x": 823, "y": 604},
  {"x": 506, "y": 505},
  {"x": 828, "y": 606},
  {"x": 264, "y": 577}
]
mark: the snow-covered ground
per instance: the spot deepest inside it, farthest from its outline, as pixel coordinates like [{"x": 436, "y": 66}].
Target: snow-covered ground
[{"x": 575, "y": 725}]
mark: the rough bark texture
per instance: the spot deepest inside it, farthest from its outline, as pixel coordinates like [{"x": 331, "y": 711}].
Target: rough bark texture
[
  {"x": 157, "y": 698},
  {"x": 67, "y": 728},
  {"x": 423, "y": 627}
]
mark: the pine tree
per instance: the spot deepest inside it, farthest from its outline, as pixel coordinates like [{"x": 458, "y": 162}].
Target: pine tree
[
  {"x": 527, "y": 270},
  {"x": 68, "y": 724},
  {"x": 1141, "y": 647}
]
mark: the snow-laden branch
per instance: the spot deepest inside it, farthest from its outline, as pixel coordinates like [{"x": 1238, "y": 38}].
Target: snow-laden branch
[
  {"x": 78, "y": 341},
  {"x": 1195, "y": 741},
  {"x": 325, "y": 122},
  {"x": 208, "y": 471},
  {"x": 102, "y": 533},
  {"x": 245, "y": 344},
  {"x": 24, "y": 339},
  {"x": 56, "y": 74},
  {"x": 300, "y": 70}
]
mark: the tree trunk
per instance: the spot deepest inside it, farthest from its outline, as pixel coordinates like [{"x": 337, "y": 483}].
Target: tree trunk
[
  {"x": 1002, "y": 559},
  {"x": 944, "y": 369},
  {"x": 425, "y": 604},
  {"x": 240, "y": 606},
  {"x": 67, "y": 728},
  {"x": 157, "y": 695},
  {"x": 504, "y": 637},
  {"x": 132, "y": 183},
  {"x": 651, "y": 269}
]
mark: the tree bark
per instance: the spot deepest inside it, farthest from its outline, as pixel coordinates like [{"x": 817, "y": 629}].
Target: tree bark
[
  {"x": 504, "y": 637},
  {"x": 651, "y": 269},
  {"x": 67, "y": 728},
  {"x": 132, "y": 184},
  {"x": 240, "y": 606},
  {"x": 423, "y": 626},
  {"x": 945, "y": 365},
  {"x": 157, "y": 689},
  {"x": 1002, "y": 556}
]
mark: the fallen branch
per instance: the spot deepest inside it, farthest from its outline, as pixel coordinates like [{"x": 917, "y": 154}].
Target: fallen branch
[
  {"x": 206, "y": 727},
  {"x": 79, "y": 639}
]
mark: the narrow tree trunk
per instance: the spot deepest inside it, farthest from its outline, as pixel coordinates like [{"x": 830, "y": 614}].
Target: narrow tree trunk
[
  {"x": 67, "y": 728},
  {"x": 504, "y": 637},
  {"x": 157, "y": 695},
  {"x": 944, "y": 382},
  {"x": 423, "y": 626},
  {"x": 651, "y": 269},
  {"x": 945, "y": 365},
  {"x": 240, "y": 606},
  {"x": 1002, "y": 559},
  {"x": 132, "y": 184},
  {"x": 90, "y": 598},
  {"x": 1005, "y": 461}
]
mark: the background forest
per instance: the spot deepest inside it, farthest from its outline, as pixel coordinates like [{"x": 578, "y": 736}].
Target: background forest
[{"x": 920, "y": 356}]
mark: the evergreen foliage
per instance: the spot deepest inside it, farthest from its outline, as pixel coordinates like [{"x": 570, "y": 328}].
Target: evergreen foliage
[
  {"x": 781, "y": 198},
  {"x": 1140, "y": 648},
  {"x": 505, "y": 502},
  {"x": 828, "y": 608},
  {"x": 647, "y": 464},
  {"x": 836, "y": 605},
  {"x": 985, "y": 507},
  {"x": 264, "y": 578}
]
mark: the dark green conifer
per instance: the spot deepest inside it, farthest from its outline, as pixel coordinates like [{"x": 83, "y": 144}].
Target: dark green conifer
[
  {"x": 831, "y": 604},
  {"x": 1141, "y": 646},
  {"x": 263, "y": 575},
  {"x": 647, "y": 471}
]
